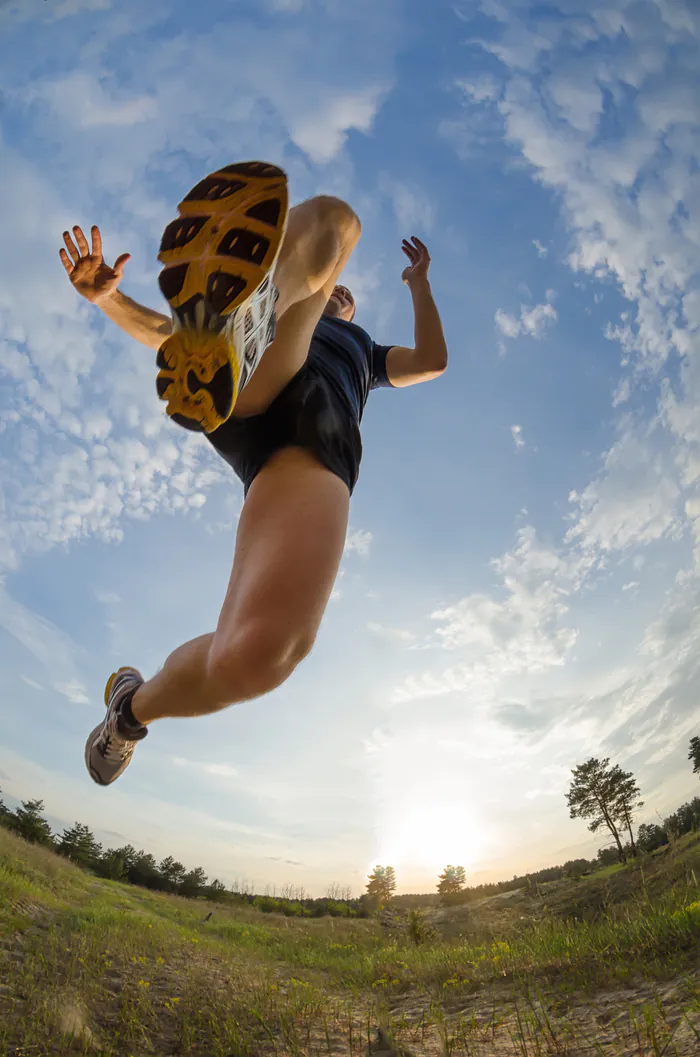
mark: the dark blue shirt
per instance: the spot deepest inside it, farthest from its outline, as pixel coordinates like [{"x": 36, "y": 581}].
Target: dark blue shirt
[{"x": 352, "y": 363}]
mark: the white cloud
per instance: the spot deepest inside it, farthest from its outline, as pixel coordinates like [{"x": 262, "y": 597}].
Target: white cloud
[
  {"x": 520, "y": 630},
  {"x": 399, "y": 636},
  {"x": 216, "y": 770},
  {"x": 633, "y": 212},
  {"x": 81, "y": 100},
  {"x": 56, "y": 653},
  {"x": 323, "y": 132},
  {"x": 32, "y": 682},
  {"x": 517, "y": 435},
  {"x": 634, "y": 499},
  {"x": 533, "y": 322},
  {"x": 412, "y": 206},
  {"x": 542, "y": 251},
  {"x": 358, "y": 542},
  {"x": 74, "y": 691}
]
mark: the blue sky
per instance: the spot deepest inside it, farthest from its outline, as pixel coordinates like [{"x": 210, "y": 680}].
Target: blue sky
[{"x": 520, "y": 585}]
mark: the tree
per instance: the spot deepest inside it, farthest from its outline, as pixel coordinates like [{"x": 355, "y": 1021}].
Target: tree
[
  {"x": 5, "y": 813},
  {"x": 78, "y": 843},
  {"x": 608, "y": 856},
  {"x": 143, "y": 870},
  {"x": 28, "y": 822},
  {"x": 576, "y": 868},
  {"x": 592, "y": 796},
  {"x": 172, "y": 872},
  {"x": 128, "y": 854},
  {"x": 650, "y": 837},
  {"x": 193, "y": 883},
  {"x": 451, "y": 882},
  {"x": 694, "y": 754},
  {"x": 685, "y": 819},
  {"x": 625, "y": 800},
  {"x": 215, "y": 889},
  {"x": 381, "y": 885},
  {"x": 113, "y": 865}
]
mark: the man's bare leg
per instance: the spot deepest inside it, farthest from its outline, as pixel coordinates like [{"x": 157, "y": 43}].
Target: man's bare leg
[
  {"x": 289, "y": 544},
  {"x": 292, "y": 527},
  {"x": 321, "y": 236},
  {"x": 291, "y": 530}
]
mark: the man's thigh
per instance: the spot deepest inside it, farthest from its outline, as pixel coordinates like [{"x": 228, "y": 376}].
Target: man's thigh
[{"x": 289, "y": 544}]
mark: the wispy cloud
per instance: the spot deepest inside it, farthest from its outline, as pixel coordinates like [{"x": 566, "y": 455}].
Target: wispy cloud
[
  {"x": 358, "y": 542},
  {"x": 216, "y": 770},
  {"x": 532, "y": 322},
  {"x": 517, "y": 435},
  {"x": 399, "y": 636},
  {"x": 53, "y": 650}
]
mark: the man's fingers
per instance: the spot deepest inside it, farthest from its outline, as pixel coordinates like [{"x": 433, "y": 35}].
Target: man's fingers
[
  {"x": 65, "y": 260},
  {"x": 421, "y": 245},
  {"x": 81, "y": 240},
  {"x": 96, "y": 241},
  {"x": 71, "y": 247},
  {"x": 120, "y": 262}
]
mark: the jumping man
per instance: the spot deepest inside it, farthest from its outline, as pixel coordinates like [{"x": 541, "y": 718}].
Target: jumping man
[{"x": 261, "y": 354}]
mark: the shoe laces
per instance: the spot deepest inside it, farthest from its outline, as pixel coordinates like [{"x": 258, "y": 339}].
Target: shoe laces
[{"x": 112, "y": 744}]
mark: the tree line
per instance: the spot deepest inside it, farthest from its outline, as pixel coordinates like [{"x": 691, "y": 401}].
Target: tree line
[
  {"x": 79, "y": 844},
  {"x": 601, "y": 793}
]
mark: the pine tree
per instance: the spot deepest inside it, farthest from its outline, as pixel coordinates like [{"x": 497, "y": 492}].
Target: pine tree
[
  {"x": 694, "y": 754},
  {"x": 193, "y": 883},
  {"x": 172, "y": 872},
  {"x": 592, "y": 796},
  {"x": 381, "y": 885},
  {"x": 625, "y": 800},
  {"x": 451, "y": 880},
  {"x": 79, "y": 844},
  {"x": 5, "y": 813},
  {"x": 28, "y": 822},
  {"x": 112, "y": 864}
]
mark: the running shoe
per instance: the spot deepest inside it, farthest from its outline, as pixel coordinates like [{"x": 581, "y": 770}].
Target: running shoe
[
  {"x": 111, "y": 745},
  {"x": 219, "y": 257}
]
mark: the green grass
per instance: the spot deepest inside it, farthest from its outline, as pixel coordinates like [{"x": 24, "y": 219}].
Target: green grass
[{"x": 96, "y": 966}]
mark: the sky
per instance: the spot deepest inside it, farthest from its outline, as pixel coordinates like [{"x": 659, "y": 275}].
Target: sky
[{"x": 520, "y": 587}]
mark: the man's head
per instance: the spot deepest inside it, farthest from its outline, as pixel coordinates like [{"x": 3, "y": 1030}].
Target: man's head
[{"x": 340, "y": 304}]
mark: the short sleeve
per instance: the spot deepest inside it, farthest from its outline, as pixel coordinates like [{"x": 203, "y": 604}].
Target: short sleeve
[{"x": 380, "y": 378}]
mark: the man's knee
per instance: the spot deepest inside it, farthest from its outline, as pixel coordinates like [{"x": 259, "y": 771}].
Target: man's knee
[
  {"x": 339, "y": 215},
  {"x": 256, "y": 660}
]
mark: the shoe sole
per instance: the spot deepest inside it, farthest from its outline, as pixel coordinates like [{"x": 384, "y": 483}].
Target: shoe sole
[{"x": 216, "y": 254}]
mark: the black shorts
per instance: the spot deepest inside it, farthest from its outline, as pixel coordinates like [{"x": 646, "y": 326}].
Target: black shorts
[{"x": 309, "y": 413}]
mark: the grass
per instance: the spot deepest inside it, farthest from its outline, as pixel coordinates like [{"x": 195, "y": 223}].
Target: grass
[{"x": 95, "y": 966}]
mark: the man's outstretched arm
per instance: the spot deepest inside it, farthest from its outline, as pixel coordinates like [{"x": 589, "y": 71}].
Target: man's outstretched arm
[
  {"x": 428, "y": 358},
  {"x": 98, "y": 283}
]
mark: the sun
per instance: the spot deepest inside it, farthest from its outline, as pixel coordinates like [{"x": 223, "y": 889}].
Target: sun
[{"x": 430, "y": 836}]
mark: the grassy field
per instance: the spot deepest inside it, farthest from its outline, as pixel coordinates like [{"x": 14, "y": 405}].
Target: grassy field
[{"x": 606, "y": 965}]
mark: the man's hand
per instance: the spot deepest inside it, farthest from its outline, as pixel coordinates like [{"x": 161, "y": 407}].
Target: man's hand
[
  {"x": 417, "y": 253},
  {"x": 87, "y": 271}
]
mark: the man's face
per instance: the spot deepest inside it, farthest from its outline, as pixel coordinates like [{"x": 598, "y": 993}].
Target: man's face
[{"x": 340, "y": 304}]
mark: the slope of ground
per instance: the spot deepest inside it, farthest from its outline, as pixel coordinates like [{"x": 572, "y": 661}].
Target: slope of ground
[{"x": 91, "y": 966}]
